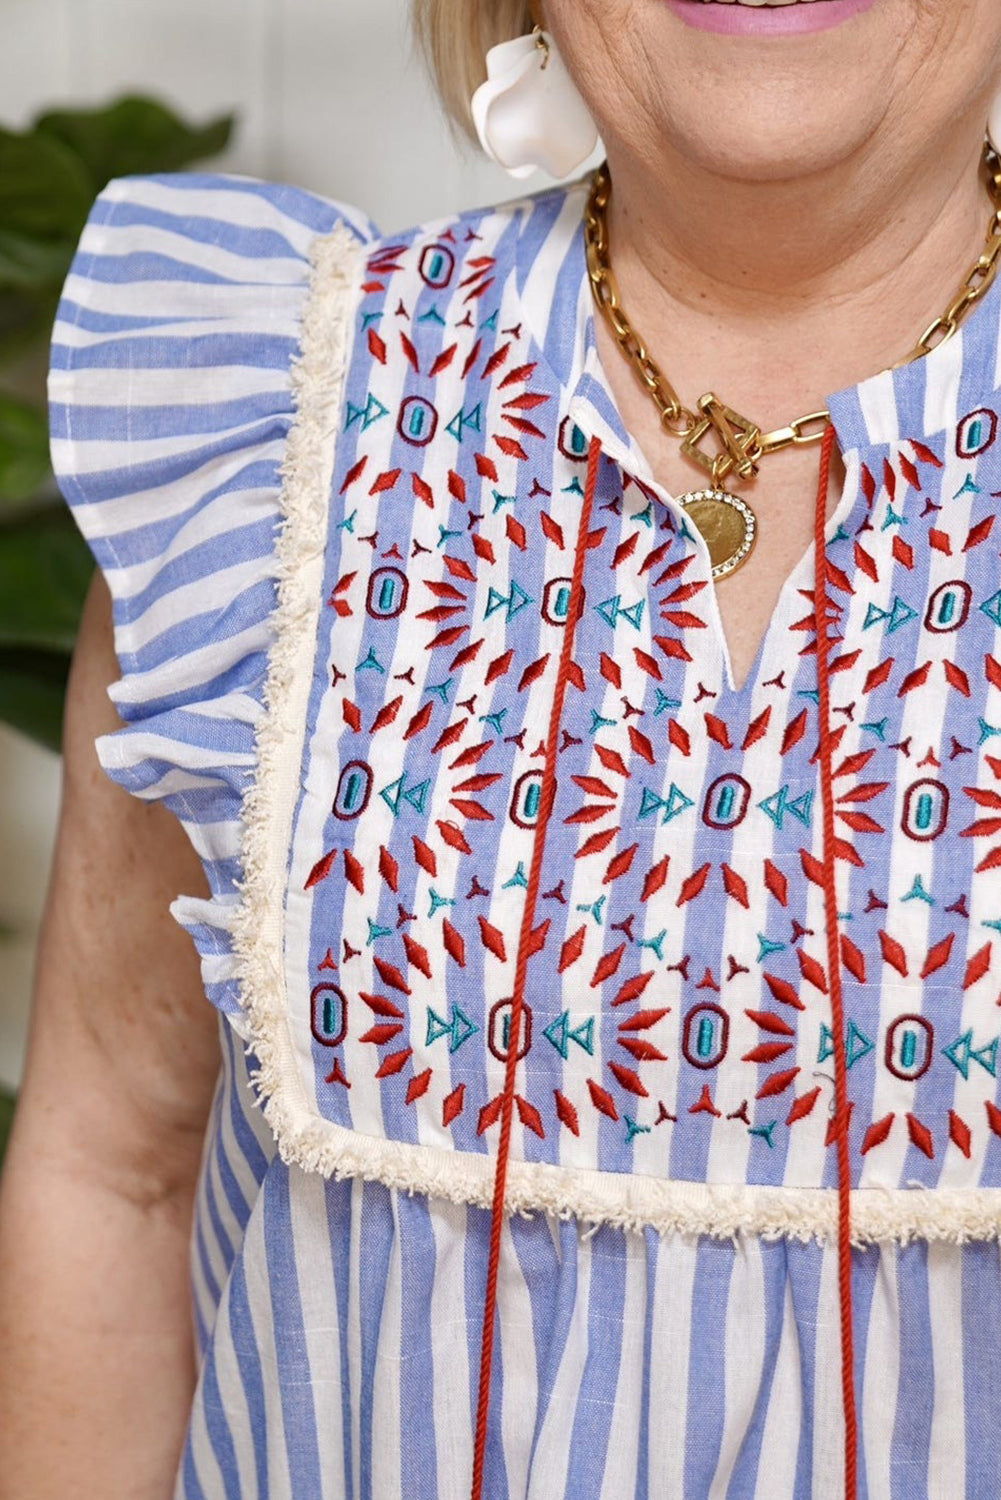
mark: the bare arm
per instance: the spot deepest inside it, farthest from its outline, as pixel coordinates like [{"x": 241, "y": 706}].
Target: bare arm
[{"x": 97, "y": 1367}]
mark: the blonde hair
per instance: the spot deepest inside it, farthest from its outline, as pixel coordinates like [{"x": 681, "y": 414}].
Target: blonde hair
[{"x": 456, "y": 36}]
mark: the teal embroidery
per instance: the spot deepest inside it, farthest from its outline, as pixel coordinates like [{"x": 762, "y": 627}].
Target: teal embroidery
[
  {"x": 372, "y": 411},
  {"x": 612, "y": 611},
  {"x": 780, "y": 803},
  {"x": 673, "y": 805},
  {"x": 513, "y": 602},
  {"x": 917, "y": 892},
  {"x": 897, "y": 615},
  {"x": 767, "y": 946},
  {"x": 372, "y": 664},
  {"x": 857, "y": 1044},
  {"x": 561, "y": 1034},
  {"x": 399, "y": 791},
  {"x": 458, "y": 1030},
  {"x": 961, "y": 1053},
  {"x": 463, "y": 419}
]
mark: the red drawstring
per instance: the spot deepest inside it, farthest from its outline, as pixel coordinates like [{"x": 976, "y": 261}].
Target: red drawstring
[
  {"x": 548, "y": 794},
  {"x": 842, "y": 1117}
]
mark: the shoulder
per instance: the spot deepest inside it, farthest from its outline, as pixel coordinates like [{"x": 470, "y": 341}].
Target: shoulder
[
  {"x": 434, "y": 294},
  {"x": 178, "y": 323},
  {"x": 520, "y": 230},
  {"x": 187, "y": 225},
  {"x": 171, "y": 396},
  {"x": 166, "y": 265}
]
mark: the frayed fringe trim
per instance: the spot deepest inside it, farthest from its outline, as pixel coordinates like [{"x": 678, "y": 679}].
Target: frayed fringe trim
[
  {"x": 268, "y": 807},
  {"x": 633, "y": 1203},
  {"x": 304, "y": 1138}
]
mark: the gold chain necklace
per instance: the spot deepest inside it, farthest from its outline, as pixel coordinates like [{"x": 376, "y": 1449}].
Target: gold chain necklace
[{"x": 725, "y": 520}]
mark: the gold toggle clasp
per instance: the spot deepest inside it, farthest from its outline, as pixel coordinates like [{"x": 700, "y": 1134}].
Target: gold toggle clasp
[{"x": 739, "y": 441}]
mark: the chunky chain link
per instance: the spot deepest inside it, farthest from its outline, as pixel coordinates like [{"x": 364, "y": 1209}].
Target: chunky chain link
[
  {"x": 979, "y": 277},
  {"x": 742, "y": 444}
]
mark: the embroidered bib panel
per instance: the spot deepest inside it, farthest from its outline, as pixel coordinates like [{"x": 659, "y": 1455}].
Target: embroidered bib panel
[{"x": 677, "y": 1013}]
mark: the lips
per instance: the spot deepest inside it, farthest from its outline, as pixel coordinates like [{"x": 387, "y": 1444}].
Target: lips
[
  {"x": 767, "y": 18},
  {"x": 762, "y": 4}
]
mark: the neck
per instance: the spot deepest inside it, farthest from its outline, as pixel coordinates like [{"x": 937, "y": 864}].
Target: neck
[{"x": 796, "y": 287}]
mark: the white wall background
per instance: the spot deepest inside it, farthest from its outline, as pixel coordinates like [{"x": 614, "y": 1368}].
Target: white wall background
[
  {"x": 330, "y": 92},
  {"x": 330, "y": 96}
]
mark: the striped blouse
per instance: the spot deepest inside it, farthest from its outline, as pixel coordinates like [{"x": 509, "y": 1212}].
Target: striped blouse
[{"x": 505, "y": 866}]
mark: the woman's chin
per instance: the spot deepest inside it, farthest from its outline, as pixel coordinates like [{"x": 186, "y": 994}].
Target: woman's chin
[
  {"x": 762, "y": 104},
  {"x": 741, "y": 133}
]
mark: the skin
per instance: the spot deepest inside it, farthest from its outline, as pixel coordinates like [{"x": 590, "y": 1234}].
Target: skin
[
  {"x": 98, "y": 1365},
  {"x": 843, "y": 234},
  {"x": 787, "y": 217}
]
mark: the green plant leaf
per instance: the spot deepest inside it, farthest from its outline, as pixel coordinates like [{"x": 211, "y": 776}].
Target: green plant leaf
[
  {"x": 25, "y": 320},
  {"x": 28, "y": 262},
  {"x": 45, "y": 188},
  {"x": 24, "y": 451},
  {"x": 45, "y": 569},
  {"x": 32, "y": 692},
  {"x": 133, "y": 134},
  {"x": 49, "y": 176}
]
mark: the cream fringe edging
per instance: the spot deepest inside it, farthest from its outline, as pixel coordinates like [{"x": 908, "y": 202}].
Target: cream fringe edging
[{"x": 304, "y": 1138}]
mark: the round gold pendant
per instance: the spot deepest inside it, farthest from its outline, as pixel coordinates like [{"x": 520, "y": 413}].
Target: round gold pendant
[{"x": 727, "y": 525}]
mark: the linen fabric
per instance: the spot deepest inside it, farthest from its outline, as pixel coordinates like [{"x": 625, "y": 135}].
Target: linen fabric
[{"x": 668, "y": 1306}]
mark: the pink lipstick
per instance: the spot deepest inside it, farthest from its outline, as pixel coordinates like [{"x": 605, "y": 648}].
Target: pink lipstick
[{"x": 767, "y": 21}]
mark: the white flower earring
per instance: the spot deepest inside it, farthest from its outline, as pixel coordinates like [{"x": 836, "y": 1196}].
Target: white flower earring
[
  {"x": 994, "y": 125},
  {"x": 529, "y": 113}
]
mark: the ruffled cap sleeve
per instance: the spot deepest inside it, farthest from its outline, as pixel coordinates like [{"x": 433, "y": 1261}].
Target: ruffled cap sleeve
[{"x": 170, "y": 395}]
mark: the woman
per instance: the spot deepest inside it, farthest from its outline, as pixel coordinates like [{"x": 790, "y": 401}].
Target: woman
[{"x": 606, "y": 892}]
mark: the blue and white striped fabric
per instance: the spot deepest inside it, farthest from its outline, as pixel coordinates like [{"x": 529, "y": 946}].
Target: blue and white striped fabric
[
  {"x": 339, "y": 1320},
  {"x": 170, "y": 405}
]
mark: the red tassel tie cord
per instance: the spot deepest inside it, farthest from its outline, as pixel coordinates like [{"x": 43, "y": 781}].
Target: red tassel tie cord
[
  {"x": 841, "y": 1106},
  {"x": 548, "y": 795},
  {"x": 841, "y": 1110}
]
